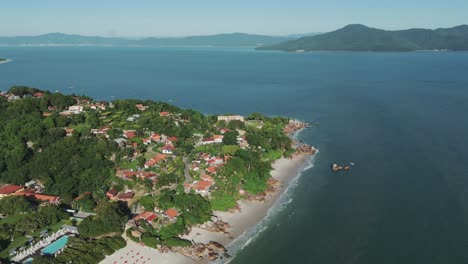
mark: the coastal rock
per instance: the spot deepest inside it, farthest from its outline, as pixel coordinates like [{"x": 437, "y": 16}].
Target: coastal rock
[
  {"x": 211, "y": 251},
  {"x": 335, "y": 167}
]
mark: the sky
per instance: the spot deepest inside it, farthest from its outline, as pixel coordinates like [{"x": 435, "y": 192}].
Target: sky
[{"x": 139, "y": 18}]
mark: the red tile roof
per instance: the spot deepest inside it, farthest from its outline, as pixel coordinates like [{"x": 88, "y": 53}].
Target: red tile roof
[
  {"x": 156, "y": 159},
  {"x": 168, "y": 147},
  {"x": 172, "y": 212},
  {"x": 144, "y": 215},
  {"x": 164, "y": 113},
  {"x": 9, "y": 189},
  {"x": 125, "y": 196},
  {"x": 130, "y": 134}
]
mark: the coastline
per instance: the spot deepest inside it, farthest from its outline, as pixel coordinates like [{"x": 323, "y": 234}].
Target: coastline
[
  {"x": 244, "y": 221},
  {"x": 5, "y": 61}
]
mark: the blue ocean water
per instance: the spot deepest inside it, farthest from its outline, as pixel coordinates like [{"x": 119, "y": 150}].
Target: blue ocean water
[{"x": 400, "y": 117}]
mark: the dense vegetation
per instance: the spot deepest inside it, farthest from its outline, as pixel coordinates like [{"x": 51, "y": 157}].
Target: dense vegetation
[
  {"x": 362, "y": 38},
  {"x": 82, "y": 166},
  {"x": 23, "y": 218}
]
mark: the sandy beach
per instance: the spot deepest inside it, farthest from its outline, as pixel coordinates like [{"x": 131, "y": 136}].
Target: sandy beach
[
  {"x": 251, "y": 212},
  {"x": 135, "y": 253}
]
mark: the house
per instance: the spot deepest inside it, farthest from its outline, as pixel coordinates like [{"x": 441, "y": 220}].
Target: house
[
  {"x": 101, "y": 131},
  {"x": 111, "y": 193},
  {"x": 75, "y": 109},
  {"x": 51, "y": 199},
  {"x": 208, "y": 140},
  {"x": 202, "y": 186},
  {"x": 9, "y": 189},
  {"x": 224, "y": 130},
  {"x": 120, "y": 141},
  {"x": 141, "y": 107},
  {"x": 125, "y": 197},
  {"x": 164, "y": 113},
  {"x": 218, "y": 138},
  {"x": 70, "y": 229},
  {"x": 130, "y": 134},
  {"x": 147, "y": 216},
  {"x": 155, "y": 137},
  {"x": 69, "y": 131},
  {"x": 167, "y": 149},
  {"x": 230, "y": 118},
  {"x": 155, "y": 160},
  {"x": 38, "y": 95},
  {"x": 30, "y": 183},
  {"x": 171, "y": 213},
  {"x": 128, "y": 174},
  {"x": 212, "y": 170}
]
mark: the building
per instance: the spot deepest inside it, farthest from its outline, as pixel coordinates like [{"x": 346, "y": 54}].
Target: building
[
  {"x": 147, "y": 216},
  {"x": 75, "y": 109},
  {"x": 202, "y": 186},
  {"x": 111, "y": 193},
  {"x": 171, "y": 213},
  {"x": 9, "y": 189},
  {"x": 155, "y": 160},
  {"x": 230, "y": 118},
  {"x": 167, "y": 149}
]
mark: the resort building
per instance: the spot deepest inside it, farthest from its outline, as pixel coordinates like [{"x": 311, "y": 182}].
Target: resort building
[
  {"x": 9, "y": 189},
  {"x": 231, "y": 118}
]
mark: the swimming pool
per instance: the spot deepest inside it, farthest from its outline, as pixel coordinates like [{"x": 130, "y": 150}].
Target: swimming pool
[
  {"x": 28, "y": 261},
  {"x": 56, "y": 246}
]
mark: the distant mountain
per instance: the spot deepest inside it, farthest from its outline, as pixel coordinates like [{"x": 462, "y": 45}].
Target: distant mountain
[
  {"x": 363, "y": 38},
  {"x": 235, "y": 39}
]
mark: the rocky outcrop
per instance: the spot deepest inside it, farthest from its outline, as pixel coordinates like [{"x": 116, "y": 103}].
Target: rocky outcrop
[
  {"x": 218, "y": 226},
  {"x": 211, "y": 251},
  {"x": 335, "y": 167}
]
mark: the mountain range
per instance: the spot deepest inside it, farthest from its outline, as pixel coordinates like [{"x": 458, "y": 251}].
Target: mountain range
[
  {"x": 358, "y": 37},
  {"x": 234, "y": 39}
]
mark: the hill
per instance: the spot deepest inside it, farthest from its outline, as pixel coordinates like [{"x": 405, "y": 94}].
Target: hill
[
  {"x": 234, "y": 39},
  {"x": 362, "y": 38}
]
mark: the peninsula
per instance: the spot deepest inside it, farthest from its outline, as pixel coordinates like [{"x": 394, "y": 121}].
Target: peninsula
[
  {"x": 104, "y": 181},
  {"x": 362, "y": 38}
]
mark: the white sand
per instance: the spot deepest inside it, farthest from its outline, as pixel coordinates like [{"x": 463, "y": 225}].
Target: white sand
[
  {"x": 252, "y": 212},
  {"x": 134, "y": 253}
]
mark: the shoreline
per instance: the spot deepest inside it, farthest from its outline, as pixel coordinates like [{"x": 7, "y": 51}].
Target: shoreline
[
  {"x": 243, "y": 221},
  {"x": 5, "y": 61}
]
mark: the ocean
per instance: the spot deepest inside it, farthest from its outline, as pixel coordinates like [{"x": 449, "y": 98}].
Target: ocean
[{"x": 398, "y": 117}]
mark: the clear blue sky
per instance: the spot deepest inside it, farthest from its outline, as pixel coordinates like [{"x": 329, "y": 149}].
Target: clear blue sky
[{"x": 201, "y": 17}]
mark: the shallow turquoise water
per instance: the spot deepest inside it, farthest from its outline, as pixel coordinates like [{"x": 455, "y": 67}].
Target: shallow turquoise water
[{"x": 400, "y": 117}]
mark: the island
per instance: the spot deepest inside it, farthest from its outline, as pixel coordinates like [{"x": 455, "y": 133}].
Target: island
[
  {"x": 362, "y": 38},
  {"x": 93, "y": 181},
  {"x": 2, "y": 59}
]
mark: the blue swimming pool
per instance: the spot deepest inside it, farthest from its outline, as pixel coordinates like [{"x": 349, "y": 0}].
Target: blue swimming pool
[
  {"x": 28, "y": 261},
  {"x": 56, "y": 246}
]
